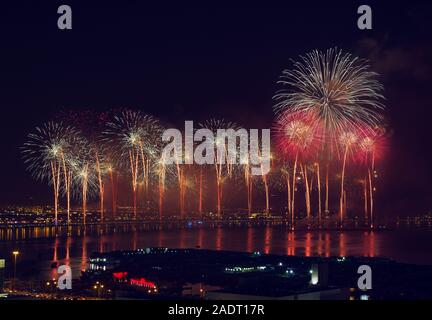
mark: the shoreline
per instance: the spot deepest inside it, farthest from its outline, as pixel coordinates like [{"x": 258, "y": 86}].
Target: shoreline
[{"x": 301, "y": 225}]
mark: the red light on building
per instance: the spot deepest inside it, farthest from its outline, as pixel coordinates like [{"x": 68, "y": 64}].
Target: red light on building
[
  {"x": 142, "y": 282},
  {"x": 120, "y": 275}
]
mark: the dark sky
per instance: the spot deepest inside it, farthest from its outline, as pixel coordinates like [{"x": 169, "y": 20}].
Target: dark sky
[{"x": 182, "y": 62}]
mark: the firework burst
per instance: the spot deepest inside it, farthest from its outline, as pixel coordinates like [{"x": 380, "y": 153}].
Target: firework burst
[
  {"x": 137, "y": 137},
  {"x": 336, "y": 87},
  {"x": 223, "y": 169},
  {"x": 48, "y": 154},
  {"x": 370, "y": 147},
  {"x": 297, "y": 135}
]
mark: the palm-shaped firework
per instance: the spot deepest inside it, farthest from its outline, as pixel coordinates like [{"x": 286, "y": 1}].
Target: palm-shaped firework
[
  {"x": 337, "y": 88},
  {"x": 339, "y": 94},
  {"x": 222, "y": 152},
  {"x": 50, "y": 154},
  {"x": 137, "y": 137}
]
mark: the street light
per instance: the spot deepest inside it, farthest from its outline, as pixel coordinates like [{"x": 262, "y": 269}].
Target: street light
[
  {"x": 98, "y": 288},
  {"x": 15, "y": 254}
]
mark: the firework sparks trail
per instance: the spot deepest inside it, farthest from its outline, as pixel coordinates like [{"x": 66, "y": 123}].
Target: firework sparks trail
[
  {"x": 266, "y": 189},
  {"x": 200, "y": 208},
  {"x": 84, "y": 182},
  {"x": 182, "y": 191},
  {"x": 347, "y": 140},
  {"x": 150, "y": 147},
  {"x": 161, "y": 176},
  {"x": 246, "y": 160},
  {"x": 89, "y": 125},
  {"x": 267, "y": 194},
  {"x": 180, "y": 170},
  {"x": 288, "y": 184},
  {"x": 198, "y": 184},
  {"x": 317, "y": 166},
  {"x": 67, "y": 172},
  {"x": 47, "y": 153},
  {"x": 133, "y": 158},
  {"x": 219, "y": 181},
  {"x": 69, "y": 154},
  {"x": 113, "y": 190},
  {"x": 297, "y": 134},
  {"x": 220, "y": 156},
  {"x": 145, "y": 165},
  {"x": 137, "y": 135},
  {"x": 164, "y": 173},
  {"x": 200, "y": 191},
  {"x": 56, "y": 185},
  {"x": 371, "y": 199},
  {"x": 294, "y": 189},
  {"x": 365, "y": 195},
  {"x": 249, "y": 187},
  {"x": 219, "y": 174},
  {"x": 79, "y": 160},
  {"x": 371, "y": 142},
  {"x": 101, "y": 184},
  {"x": 250, "y": 193},
  {"x": 304, "y": 171}
]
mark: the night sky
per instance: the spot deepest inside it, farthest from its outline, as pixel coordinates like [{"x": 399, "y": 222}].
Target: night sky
[{"x": 181, "y": 62}]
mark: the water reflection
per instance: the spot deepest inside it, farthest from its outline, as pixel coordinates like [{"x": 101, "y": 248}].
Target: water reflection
[
  {"x": 68, "y": 245},
  {"x": 342, "y": 248},
  {"x": 291, "y": 244},
  {"x": 83, "y": 261},
  {"x": 327, "y": 245},
  {"x": 219, "y": 236},
  {"x": 369, "y": 244},
  {"x": 250, "y": 235},
  {"x": 40, "y": 248},
  {"x": 267, "y": 239},
  {"x": 308, "y": 245}
]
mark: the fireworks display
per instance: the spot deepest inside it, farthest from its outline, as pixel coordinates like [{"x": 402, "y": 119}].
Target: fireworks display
[
  {"x": 136, "y": 136},
  {"x": 329, "y": 101},
  {"x": 328, "y": 123},
  {"x": 52, "y": 153},
  {"x": 337, "y": 88},
  {"x": 223, "y": 170}
]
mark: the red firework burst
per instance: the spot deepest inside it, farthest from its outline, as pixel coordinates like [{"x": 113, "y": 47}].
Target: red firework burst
[{"x": 297, "y": 134}]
